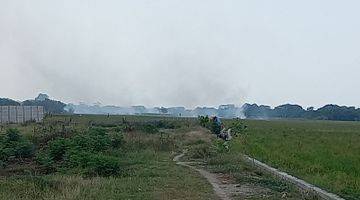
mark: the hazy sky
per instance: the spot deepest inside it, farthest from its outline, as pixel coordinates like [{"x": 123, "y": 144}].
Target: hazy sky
[{"x": 182, "y": 52}]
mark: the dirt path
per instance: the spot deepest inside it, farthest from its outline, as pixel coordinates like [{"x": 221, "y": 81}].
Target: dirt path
[
  {"x": 244, "y": 182},
  {"x": 223, "y": 189},
  {"x": 226, "y": 188}
]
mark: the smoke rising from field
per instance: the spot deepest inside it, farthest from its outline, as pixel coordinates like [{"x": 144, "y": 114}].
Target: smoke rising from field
[{"x": 179, "y": 52}]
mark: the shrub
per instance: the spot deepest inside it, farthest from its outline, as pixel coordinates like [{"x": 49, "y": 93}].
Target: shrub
[
  {"x": 204, "y": 121},
  {"x": 24, "y": 149},
  {"x": 77, "y": 158},
  {"x": 13, "y": 134},
  {"x": 46, "y": 161},
  {"x": 208, "y": 123},
  {"x": 117, "y": 140},
  {"x": 57, "y": 148},
  {"x": 83, "y": 152},
  {"x": 14, "y": 145},
  {"x": 149, "y": 128},
  {"x": 120, "y": 128},
  {"x": 102, "y": 165},
  {"x": 95, "y": 140},
  {"x": 99, "y": 139}
]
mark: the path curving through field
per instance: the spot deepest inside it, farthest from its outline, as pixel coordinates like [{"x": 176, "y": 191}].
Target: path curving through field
[{"x": 222, "y": 189}]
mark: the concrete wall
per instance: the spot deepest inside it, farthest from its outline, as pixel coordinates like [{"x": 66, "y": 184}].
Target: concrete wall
[
  {"x": 21, "y": 114},
  {"x": 4, "y": 114},
  {"x": 27, "y": 113},
  {"x": 12, "y": 114}
]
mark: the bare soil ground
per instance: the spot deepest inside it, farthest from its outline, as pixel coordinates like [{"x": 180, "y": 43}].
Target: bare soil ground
[{"x": 224, "y": 185}]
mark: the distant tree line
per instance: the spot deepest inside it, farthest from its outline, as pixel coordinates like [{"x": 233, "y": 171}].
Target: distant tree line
[
  {"x": 50, "y": 106},
  {"x": 252, "y": 111},
  {"x": 8, "y": 102},
  {"x": 328, "y": 112}
]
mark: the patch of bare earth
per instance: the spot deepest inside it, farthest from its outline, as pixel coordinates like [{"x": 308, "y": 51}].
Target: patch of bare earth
[{"x": 224, "y": 185}]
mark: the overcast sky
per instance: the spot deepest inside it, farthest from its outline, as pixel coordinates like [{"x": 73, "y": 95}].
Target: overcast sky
[{"x": 182, "y": 52}]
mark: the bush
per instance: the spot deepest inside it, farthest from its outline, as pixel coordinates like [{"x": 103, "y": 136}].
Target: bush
[
  {"x": 204, "y": 121},
  {"x": 102, "y": 165},
  {"x": 57, "y": 148},
  {"x": 83, "y": 152},
  {"x": 120, "y": 128},
  {"x": 46, "y": 161},
  {"x": 99, "y": 138},
  {"x": 95, "y": 140},
  {"x": 24, "y": 149},
  {"x": 14, "y": 145},
  {"x": 77, "y": 159},
  {"x": 149, "y": 128},
  {"x": 210, "y": 124},
  {"x": 13, "y": 134},
  {"x": 117, "y": 140}
]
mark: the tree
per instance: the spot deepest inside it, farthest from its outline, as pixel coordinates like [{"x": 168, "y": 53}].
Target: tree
[
  {"x": 51, "y": 106},
  {"x": 42, "y": 97},
  {"x": 289, "y": 111},
  {"x": 257, "y": 112},
  {"x": 8, "y": 102}
]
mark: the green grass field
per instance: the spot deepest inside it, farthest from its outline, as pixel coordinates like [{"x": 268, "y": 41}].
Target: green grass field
[{"x": 324, "y": 153}]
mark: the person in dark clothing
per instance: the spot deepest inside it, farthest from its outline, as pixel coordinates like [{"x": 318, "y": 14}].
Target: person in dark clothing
[{"x": 216, "y": 126}]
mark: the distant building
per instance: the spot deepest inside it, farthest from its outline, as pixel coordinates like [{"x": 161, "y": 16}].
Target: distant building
[{"x": 21, "y": 114}]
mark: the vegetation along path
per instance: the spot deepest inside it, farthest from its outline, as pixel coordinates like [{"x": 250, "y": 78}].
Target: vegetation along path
[
  {"x": 226, "y": 188},
  {"x": 221, "y": 188}
]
